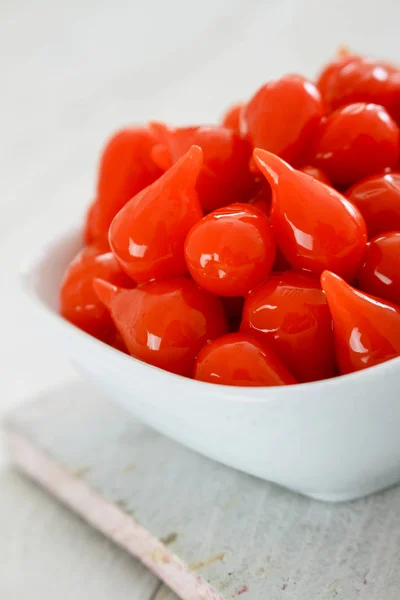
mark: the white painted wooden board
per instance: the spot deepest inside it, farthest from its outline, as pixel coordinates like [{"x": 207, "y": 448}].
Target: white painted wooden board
[
  {"x": 49, "y": 553},
  {"x": 208, "y": 531}
]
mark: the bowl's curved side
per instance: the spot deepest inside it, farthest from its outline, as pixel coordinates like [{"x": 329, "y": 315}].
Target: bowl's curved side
[
  {"x": 342, "y": 446},
  {"x": 333, "y": 440}
]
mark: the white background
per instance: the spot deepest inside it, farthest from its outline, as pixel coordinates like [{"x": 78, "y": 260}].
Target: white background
[{"x": 71, "y": 73}]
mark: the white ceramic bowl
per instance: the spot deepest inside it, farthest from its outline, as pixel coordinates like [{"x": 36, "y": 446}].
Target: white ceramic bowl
[{"x": 332, "y": 440}]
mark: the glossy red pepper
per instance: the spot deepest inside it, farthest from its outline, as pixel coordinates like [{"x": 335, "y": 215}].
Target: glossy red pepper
[
  {"x": 315, "y": 227},
  {"x": 225, "y": 177},
  {"x": 378, "y": 200},
  {"x": 126, "y": 167},
  {"x": 147, "y": 236},
  {"x": 356, "y": 141},
  {"x": 78, "y": 301},
  {"x": 329, "y": 76},
  {"x": 239, "y": 359},
  {"x": 360, "y": 79},
  {"x": 289, "y": 313},
  {"x": 231, "y": 250},
  {"x": 316, "y": 173},
  {"x": 231, "y": 119},
  {"x": 380, "y": 273},
  {"x": 366, "y": 328},
  {"x": 283, "y": 116},
  {"x": 164, "y": 323}
]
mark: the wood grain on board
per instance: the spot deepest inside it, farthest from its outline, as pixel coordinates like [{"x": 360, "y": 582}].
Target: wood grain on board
[{"x": 208, "y": 531}]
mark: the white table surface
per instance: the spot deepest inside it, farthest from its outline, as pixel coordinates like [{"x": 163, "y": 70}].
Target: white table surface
[{"x": 70, "y": 73}]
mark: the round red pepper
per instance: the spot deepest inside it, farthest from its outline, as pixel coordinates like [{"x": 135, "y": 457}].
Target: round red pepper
[
  {"x": 283, "y": 116},
  {"x": 231, "y": 250},
  {"x": 378, "y": 200},
  {"x": 327, "y": 80},
  {"x": 289, "y": 313},
  {"x": 239, "y": 359},
  {"x": 380, "y": 273},
  {"x": 356, "y": 141},
  {"x": 78, "y": 301},
  {"x": 359, "y": 79}
]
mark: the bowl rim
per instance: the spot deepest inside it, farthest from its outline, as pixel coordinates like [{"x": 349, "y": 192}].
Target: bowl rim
[{"x": 29, "y": 273}]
